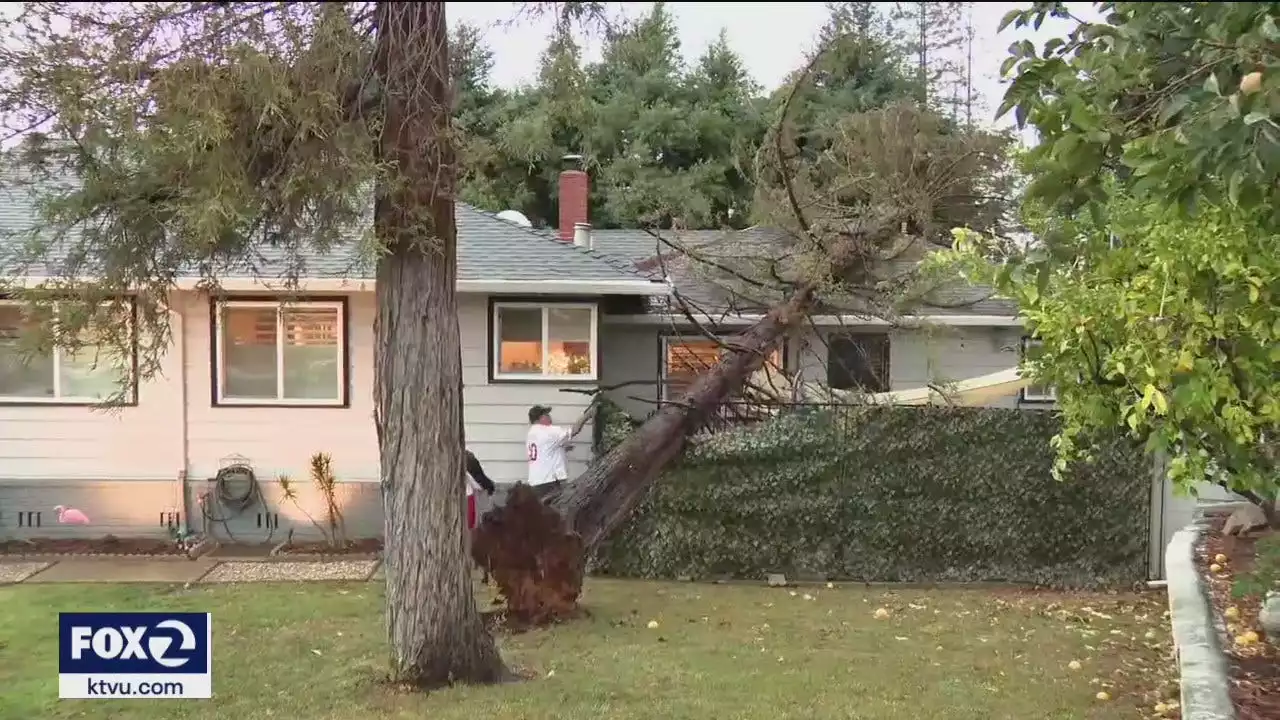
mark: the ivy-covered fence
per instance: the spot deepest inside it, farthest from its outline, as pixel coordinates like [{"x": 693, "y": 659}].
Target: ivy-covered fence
[{"x": 896, "y": 494}]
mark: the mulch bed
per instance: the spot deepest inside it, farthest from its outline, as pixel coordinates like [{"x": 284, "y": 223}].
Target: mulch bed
[
  {"x": 1255, "y": 669},
  {"x": 108, "y": 545}
]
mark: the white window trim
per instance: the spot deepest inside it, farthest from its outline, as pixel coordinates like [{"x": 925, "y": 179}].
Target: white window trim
[
  {"x": 280, "y": 306},
  {"x": 58, "y": 398},
  {"x": 544, "y": 376},
  {"x": 1032, "y": 397}
]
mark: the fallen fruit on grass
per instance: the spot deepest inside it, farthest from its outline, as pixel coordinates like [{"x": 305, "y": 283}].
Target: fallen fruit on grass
[
  {"x": 1103, "y": 695},
  {"x": 1231, "y": 613},
  {"x": 882, "y": 614},
  {"x": 653, "y": 624},
  {"x": 1220, "y": 559},
  {"x": 1251, "y": 83},
  {"x": 831, "y": 586},
  {"x": 1074, "y": 665},
  {"x": 1215, "y": 568}
]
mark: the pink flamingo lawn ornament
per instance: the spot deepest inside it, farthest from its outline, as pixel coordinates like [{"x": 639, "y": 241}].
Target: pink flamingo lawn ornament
[{"x": 70, "y": 516}]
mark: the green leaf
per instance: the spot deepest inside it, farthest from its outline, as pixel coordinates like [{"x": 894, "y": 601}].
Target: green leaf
[
  {"x": 1268, "y": 28},
  {"x": 1008, "y": 18},
  {"x": 1256, "y": 117},
  {"x": 1173, "y": 107},
  {"x": 1211, "y": 84}
]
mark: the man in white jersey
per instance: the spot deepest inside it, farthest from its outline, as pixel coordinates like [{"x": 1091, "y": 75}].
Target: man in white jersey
[{"x": 547, "y": 446}]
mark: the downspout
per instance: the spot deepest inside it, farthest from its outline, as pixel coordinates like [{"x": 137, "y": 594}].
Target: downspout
[{"x": 180, "y": 322}]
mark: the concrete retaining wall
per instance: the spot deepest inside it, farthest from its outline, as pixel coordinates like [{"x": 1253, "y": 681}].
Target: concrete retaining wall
[{"x": 1202, "y": 665}]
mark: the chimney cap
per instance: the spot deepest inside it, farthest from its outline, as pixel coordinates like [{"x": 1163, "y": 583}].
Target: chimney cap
[{"x": 571, "y": 162}]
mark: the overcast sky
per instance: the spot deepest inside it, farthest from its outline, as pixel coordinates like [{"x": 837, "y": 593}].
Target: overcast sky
[{"x": 771, "y": 37}]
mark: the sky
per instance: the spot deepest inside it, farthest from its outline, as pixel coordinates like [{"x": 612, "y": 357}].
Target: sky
[{"x": 771, "y": 37}]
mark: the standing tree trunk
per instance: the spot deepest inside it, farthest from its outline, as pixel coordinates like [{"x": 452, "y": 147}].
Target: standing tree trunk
[{"x": 436, "y": 632}]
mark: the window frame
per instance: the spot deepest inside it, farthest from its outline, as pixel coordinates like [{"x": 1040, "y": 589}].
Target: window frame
[
  {"x": 664, "y": 342},
  {"x": 853, "y": 335},
  {"x": 1023, "y": 394},
  {"x": 131, "y": 396},
  {"x": 216, "y": 307},
  {"x": 495, "y": 341}
]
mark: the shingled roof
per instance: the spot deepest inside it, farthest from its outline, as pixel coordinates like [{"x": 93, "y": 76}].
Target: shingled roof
[
  {"x": 639, "y": 248},
  {"x": 489, "y": 249}
]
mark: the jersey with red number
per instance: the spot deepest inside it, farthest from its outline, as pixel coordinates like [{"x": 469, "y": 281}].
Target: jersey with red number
[{"x": 547, "y": 446}]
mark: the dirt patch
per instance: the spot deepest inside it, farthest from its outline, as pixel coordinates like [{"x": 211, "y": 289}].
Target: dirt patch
[
  {"x": 108, "y": 545},
  {"x": 366, "y": 547},
  {"x": 1255, "y": 667}
]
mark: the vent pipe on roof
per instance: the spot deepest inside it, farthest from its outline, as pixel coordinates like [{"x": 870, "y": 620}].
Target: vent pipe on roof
[{"x": 582, "y": 235}]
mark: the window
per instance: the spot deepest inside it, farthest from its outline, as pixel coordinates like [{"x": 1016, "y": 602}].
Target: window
[
  {"x": 684, "y": 359},
  {"x": 536, "y": 341},
  {"x": 858, "y": 361},
  {"x": 279, "y": 353},
  {"x": 91, "y": 374},
  {"x": 1036, "y": 393}
]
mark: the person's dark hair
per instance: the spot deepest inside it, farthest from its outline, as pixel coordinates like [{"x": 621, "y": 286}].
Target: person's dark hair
[{"x": 537, "y": 412}]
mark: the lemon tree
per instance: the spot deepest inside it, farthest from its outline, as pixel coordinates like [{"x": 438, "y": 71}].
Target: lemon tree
[{"x": 1154, "y": 280}]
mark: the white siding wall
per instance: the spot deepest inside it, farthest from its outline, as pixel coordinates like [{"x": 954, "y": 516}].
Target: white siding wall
[
  {"x": 281, "y": 440},
  {"x": 48, "y": 442}
]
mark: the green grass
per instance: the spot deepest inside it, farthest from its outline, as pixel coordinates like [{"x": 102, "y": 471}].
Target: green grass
[{"x": 316, "y": 652}]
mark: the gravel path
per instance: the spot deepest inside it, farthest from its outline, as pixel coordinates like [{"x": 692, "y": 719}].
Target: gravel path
[
  {"x": 17, "y": 572},
  {"x": 290, "y": 571}
]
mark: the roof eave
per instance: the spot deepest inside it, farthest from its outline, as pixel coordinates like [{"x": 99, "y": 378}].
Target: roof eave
[
  {"x": 825, "y": 320},
  {"x": 621, "y": 286}
]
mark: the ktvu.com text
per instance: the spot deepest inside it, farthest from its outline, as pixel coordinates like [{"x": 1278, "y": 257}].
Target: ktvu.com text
[{"x": 135, "y": 655}]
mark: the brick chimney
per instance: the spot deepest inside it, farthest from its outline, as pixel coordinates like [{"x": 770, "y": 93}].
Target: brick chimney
[{"x": 575, "y": 187}]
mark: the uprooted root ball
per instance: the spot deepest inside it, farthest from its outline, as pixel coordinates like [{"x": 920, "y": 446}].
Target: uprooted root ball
[{"x": 532, "y": 556}]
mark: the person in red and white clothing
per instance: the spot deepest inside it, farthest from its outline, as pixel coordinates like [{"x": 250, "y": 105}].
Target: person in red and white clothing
[{"x": 477, "y": 477}]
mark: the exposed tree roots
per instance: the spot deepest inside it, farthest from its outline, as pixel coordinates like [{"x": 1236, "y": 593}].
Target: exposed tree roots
[{"x": 537, "y": 564}]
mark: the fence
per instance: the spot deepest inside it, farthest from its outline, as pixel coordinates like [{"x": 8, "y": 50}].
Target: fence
[{"x": 889, "y": 494}]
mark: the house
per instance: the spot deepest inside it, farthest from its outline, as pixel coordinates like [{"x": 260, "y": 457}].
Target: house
[
  {"x": 257, "y": 379},
  {"x": 544, "y": 319}
]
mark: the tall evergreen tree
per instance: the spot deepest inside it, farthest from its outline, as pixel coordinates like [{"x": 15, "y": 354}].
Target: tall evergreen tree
[{"x": 665, "y": 144}]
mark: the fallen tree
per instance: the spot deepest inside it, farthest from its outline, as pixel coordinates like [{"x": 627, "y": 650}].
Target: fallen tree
[{"x": 895, "y": 182}]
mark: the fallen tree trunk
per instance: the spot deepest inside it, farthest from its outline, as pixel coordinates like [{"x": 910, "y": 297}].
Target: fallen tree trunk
[
  {"x": 538, "y": 565},
  {"x": 537, "y": 559},
  {"x": 600, "y": 499}
]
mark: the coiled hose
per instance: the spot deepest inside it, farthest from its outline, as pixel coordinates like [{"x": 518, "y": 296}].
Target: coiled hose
[{"x": 236, "y": 489}]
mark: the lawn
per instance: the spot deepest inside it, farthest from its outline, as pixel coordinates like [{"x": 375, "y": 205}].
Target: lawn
[{"x": 315, "y": 652}]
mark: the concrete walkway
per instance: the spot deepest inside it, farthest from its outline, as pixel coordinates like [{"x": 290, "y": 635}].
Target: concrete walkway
[{"x": 203, "y": 570}]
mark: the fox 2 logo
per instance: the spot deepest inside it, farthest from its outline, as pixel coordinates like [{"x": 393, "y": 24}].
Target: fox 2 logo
[{"x": 134, "y": 643}]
